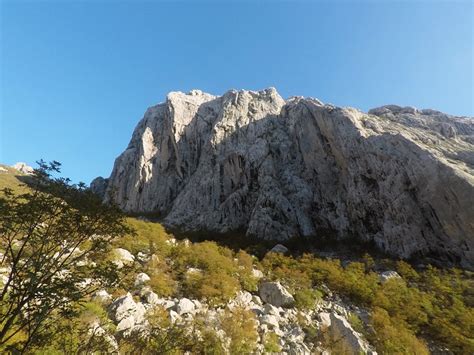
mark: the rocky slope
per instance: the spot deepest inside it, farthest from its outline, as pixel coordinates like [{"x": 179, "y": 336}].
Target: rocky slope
[{"x": 401, "y": 177}]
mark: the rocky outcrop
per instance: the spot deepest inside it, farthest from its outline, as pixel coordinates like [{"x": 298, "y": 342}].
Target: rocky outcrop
[
  {"x": 400, "y": 177},
  {"x": 23, "y": 168},
  {"x": 99, "y": 186}
]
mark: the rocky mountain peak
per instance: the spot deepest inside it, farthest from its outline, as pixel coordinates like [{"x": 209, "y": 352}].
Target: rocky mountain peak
[{"x": 400, "y": 177}]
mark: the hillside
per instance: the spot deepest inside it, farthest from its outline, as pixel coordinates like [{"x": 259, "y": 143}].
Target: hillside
[
  {"x": 176, "y": 296},
  {"x": 397, "y": 177}
]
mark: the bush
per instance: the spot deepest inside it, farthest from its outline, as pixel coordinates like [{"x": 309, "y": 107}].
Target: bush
[
  {"x": 272, "y": 343},
  {"x": 307, "y": 298},
  {"x": 393, "y": 336},
  {"x": 240, "y": 326},
  {"x": 216, "y": 287}
]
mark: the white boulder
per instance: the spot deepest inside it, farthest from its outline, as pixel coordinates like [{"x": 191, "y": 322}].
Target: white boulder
[
  {"x": 141, "y": 279},
  {"x": 102, "y": 296},
  {"x": 127, "y": 313},
  {"x": 341, "y": 330},
  {"x": 185, "y": 306},
  {"x": 122, "y": 257},
  {"x": 275, "y": 294}
]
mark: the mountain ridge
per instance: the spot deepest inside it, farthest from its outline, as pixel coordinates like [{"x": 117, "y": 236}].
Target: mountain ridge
[{"x": 398, "y": 176}]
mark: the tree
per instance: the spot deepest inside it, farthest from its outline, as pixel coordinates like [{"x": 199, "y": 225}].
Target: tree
[{"x": 53, "y": 238}]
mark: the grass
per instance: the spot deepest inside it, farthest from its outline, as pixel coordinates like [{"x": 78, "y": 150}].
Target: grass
[{"x": 10, "y": 179}]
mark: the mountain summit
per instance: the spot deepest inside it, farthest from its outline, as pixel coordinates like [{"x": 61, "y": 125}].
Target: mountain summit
[{"x": 398, "y": 176}]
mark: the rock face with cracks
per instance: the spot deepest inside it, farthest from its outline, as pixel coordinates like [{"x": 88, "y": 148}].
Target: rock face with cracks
[{"x": 398, "y": 176}]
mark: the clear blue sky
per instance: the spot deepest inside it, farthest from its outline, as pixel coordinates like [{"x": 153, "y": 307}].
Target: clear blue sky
[{"x": 76, "y": 76}]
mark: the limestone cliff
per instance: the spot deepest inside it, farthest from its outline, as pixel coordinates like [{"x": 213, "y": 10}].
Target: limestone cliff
[{"x": 401, "y": 177}]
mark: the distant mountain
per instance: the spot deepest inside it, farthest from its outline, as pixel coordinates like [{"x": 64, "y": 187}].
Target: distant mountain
[{"x": 398, "y": 176}]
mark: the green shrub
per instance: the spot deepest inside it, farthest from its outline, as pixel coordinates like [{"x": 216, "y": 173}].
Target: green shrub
[
  {"x": 393, "y": 336},
  {"x": 307, "y": 298},
  {"x": 272, "y": 343}
]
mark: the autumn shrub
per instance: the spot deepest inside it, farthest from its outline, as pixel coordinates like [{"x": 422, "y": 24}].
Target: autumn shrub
[
  {"x": 161, "y": 276},
  {"x": 392, "y": 335},
  {"x": 148, "y": 238},
  {"x": 240, "y": 326},
  {"x": 216, "y": 287},
  {"x": 247, "y": 280}
]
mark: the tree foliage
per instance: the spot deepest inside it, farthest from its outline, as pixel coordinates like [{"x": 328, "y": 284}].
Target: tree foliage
[{"x": 49, "y": 236}]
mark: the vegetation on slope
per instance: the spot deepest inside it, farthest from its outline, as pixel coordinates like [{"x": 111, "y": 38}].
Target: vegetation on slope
[{"x": 427, "y": 304}]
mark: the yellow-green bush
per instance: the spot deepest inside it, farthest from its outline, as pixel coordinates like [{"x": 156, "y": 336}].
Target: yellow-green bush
[
  {"x": 392, "y": 335},
  {"x": 307, "y": 298},
  {"x": 240, "y": 326},
  {"x": 148, "y": 238}
]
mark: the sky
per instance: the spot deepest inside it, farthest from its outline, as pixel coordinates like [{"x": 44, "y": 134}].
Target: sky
[{"x": 77, "y": 76}]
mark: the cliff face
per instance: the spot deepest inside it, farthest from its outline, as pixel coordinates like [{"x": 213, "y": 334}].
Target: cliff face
[{"x": 401, "y": 177}]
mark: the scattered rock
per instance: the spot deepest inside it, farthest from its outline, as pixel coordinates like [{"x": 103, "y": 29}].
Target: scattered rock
[
  {"x": 96, "y": 331},
  {"x": 193, "y": 270}
]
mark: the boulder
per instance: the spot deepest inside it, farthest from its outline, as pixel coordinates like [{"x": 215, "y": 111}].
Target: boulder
[
  {"x": 174, "y": 316},
  {"x": 270, "y": 309},
  {"x": 122, "y": 257},
  {"x": 151, "y": 298},
  {"x": 141, "y": 279},
  {"x": 270, "y": 320},
  {"x": 102, "y": 296},
  {"x": 243, "y": 298},
  {"x": 257, "y": 273},
  {"x": 126, "y": 312},
  {"x": 280, "y": 249},
  {"x": 275, "y": 294},
  {"x": 142, "y": 257},
  {"x": 341, "y": 330},
  {"x": 325, "y": 320},
  {"x": 185, "y": 306}
]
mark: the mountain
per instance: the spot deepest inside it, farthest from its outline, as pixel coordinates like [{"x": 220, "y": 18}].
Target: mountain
[{"x": 400, "y": 177}]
